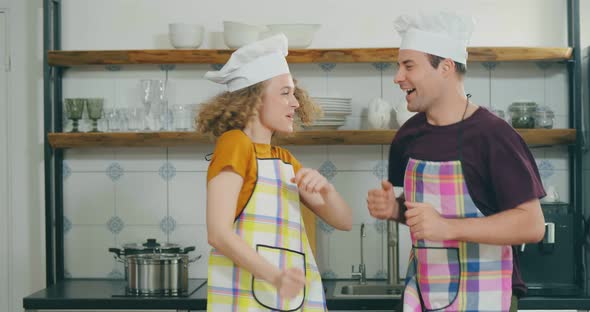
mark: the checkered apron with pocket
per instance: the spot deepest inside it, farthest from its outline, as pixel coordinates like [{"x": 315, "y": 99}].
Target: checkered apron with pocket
[
  {"x": 271, "y": 223},
  {"x": 452, "y": 275}
]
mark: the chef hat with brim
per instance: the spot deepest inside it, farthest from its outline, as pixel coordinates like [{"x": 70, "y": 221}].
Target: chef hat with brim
[
  {"x": 253, "y": 63},
  {"x": 442, "y": 34}
]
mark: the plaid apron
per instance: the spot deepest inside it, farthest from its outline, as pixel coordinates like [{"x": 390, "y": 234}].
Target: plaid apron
[
  {"x": 452, "y": 275},
  {"x": 271, "y": 223}
]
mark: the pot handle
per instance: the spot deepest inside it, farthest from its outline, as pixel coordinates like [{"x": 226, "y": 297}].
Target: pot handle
[
  {"x": 118, "y": 254},
  {"x": 188, "y": 249},
  {"x": 194, "y": 259}
]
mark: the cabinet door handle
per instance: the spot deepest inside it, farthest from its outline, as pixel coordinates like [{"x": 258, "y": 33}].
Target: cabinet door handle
[{"x": 549, "y": 233}]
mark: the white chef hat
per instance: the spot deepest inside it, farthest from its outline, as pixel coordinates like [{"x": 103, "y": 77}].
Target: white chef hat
[
  {"x": 442, "y": 34},
  {"x": 253, "y": 63}
]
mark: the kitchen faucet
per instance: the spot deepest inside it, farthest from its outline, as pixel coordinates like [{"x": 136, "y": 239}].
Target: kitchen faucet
[
  {"x": 392, "y": 253},
  {"x": 362, "y": 272}
]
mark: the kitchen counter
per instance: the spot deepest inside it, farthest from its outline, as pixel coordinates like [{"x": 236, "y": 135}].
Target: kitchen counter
[{"x": 97, "y": 294}]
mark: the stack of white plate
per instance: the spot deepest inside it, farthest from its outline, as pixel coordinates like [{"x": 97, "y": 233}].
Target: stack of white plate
[{"x": 335, "y": 111}]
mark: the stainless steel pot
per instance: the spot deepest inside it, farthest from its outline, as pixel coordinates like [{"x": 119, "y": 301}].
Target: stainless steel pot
[
  {"x": 155, "y": 269},
  {"x": 158, "y": 274}
]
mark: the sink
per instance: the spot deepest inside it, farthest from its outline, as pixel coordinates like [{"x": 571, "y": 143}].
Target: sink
[{"x": 369, "y": 290}]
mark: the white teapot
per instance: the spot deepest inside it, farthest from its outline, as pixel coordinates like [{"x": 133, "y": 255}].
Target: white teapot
[
  {"x": 379, "y": 113},
  {"x": 402, "y": 114}
]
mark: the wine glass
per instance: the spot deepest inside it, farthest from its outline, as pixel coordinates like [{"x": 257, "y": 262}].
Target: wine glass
[
  {"x": 74, "y": 110},
  {"x": 94, "y": 107},
  {"x": 146, "y": 89},
  {"x": 160, "y": 111}
]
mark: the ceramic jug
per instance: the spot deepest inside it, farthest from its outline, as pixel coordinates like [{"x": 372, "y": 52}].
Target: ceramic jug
[{"x": 379, "y": 113}]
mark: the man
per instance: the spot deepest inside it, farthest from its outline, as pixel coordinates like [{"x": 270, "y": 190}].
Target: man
[{"x": 471, "y": 186}]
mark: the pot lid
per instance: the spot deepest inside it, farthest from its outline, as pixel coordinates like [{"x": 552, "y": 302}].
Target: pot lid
[{"x": 150, "y": 245}]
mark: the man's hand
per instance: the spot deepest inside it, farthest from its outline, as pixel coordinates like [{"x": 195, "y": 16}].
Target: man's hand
[
  {"x": 382, "y": 203},
  {"x": 426, "y": 223}
]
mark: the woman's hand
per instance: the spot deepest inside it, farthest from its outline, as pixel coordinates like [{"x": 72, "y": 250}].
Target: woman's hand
[
  {"x": 290, "y": 282},
  {"x": 311, "y": 181}
]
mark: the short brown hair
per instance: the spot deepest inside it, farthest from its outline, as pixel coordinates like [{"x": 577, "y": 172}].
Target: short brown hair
[
  {"x": 435, "y": 60},
  {"x": 232, "y": 110}
]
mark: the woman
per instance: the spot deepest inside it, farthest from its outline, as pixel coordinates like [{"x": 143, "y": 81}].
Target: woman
[{"x": 261, "y": 259}]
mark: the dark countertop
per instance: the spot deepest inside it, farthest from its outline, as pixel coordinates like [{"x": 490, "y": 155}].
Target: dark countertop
[{"x": 98, "y": 294}]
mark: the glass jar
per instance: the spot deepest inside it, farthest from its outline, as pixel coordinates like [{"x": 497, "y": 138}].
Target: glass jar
[
  {"x": 544, "y": 118},
  {"x": 522, "y": 114},
  {"x": 498, "y": 112}
]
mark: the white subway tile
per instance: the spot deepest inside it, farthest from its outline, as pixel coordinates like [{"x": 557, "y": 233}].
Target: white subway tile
[
  {"x": 89, "y": 198},
  {"x": 141, "y": 198},
  {"x": 188, "y": 198}
]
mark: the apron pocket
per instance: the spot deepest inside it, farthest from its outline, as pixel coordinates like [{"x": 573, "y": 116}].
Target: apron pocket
[
  {"x": 438, "y": 275},
  {"x": 264, "y": 292}
]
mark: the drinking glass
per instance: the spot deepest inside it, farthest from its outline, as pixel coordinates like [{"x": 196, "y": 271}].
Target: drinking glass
[
  {"x": 74, "y": 110},
  {"x": 147, "y": 91},
  {"x": 94, "y": 107}
]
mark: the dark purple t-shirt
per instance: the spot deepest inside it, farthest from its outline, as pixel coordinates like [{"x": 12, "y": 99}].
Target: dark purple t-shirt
[{"x": 500, "y": 171}]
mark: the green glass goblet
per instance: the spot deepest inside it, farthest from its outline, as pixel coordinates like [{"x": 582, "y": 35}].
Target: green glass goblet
[
  {"x": 94, "y": 107},
  {"x": 74, "y": 110}
]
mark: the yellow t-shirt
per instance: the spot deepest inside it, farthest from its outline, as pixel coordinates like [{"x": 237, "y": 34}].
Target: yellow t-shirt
[{"x": 235, "y": 149}]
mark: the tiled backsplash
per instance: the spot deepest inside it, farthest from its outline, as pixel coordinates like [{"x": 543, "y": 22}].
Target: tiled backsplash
[{"x": 116, "y": 196}]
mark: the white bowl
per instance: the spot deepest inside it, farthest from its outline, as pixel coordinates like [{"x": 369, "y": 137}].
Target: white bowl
[
  {"x": 237, "y": 34},
  {"x": 299, "y": 35},
  {"x": 185, "y": 36}
]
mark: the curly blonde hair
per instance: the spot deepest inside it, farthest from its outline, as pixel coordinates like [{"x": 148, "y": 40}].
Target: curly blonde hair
[{"x": 232, "y": 110}]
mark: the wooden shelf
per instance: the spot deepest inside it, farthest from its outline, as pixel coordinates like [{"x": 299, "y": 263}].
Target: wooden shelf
[
  {"x": 533, "y": 137},
  {"x": 361, "y": 55}
]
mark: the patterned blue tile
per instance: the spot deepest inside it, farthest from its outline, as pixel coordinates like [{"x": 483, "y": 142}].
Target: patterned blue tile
[
  {"x": 489, "y": 65},
  {"x": 116, "y": 274},
  {"x": 327, "y": 67},
  {"x": 167, "y": 171},
  {"x": 67, "y": 225},
  {"x": 328, "y": 170},
  {"x": 380, "y": 169},
  {"x": 66, "y": 171},
  {"x": 543, "y": 65},
  {"x": 115, "y": 171},
  {"x": 324, "y": 227},
  {"x": 380, "y": 226},
  {"x": 167, "y": 225},
  {"x": 113, "y": 67},
  {"x": 115, "y": 225},
  {"x": 167, "y": 67},
  {"x": 381, "y": 66},
  {"x": 329, "y": 274},
  {"x": 380, "y": 274},
  {"x": 546, "y": 169}
]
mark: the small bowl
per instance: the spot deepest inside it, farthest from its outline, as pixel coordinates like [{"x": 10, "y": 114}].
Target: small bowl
[
  {"x": 237, "y": 34},
  {"x": 185, "y": 36},
  {"x": 300, "y": 36}
]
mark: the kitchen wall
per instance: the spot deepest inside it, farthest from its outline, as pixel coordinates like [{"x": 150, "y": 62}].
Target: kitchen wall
[
  {"x": 23, "y": 244},
  {"x": 115, "y": 196},
  {"x": 119, "y": 195}
]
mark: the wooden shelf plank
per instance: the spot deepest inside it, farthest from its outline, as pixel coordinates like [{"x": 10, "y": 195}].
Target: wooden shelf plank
[
  {"x": 533, "y": 137},
  {"x": 360, "y": 55}
]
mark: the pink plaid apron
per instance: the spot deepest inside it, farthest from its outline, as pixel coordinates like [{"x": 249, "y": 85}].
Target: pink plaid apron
[
  {"x": 270, "y": 223},
  {"x": 452, "y": 275}
]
